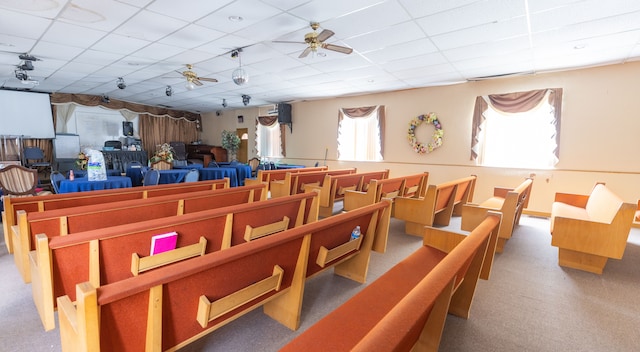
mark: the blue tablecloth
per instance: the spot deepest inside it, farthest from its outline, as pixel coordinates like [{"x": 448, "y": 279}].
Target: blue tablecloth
[
  {"x": 218, "y": 173},
  {"x": 83, "y": 173},
  {"x": 82, "y": 184},
  {"x": 243, "y": 170},
  {"x": 188, "y": 166},
  {"x": 289, "y": 166},
  {"x": 166, "y": 176}
]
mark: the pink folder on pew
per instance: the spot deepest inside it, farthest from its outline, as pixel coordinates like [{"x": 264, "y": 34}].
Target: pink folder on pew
[{"x": 164, "y": 242}]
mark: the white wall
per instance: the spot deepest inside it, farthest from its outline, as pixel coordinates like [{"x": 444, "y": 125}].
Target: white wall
[{"x": 598, "y": 133}]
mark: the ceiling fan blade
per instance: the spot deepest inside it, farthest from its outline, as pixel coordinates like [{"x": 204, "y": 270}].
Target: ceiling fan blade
[
  {"x": 287, "y": 42},
  {"x": 324, "y": 35},
  {"x": 207, "y": 79},
  {"x": 338, "y": 48},
  {"x": 197, "y": 82},
  {"x": 306, "y": 52},
  {"x": 180, "y": 72}
]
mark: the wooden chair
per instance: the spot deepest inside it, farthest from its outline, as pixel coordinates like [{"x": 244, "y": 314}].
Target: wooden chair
[
  {"x": 162, "y": 165},
  {"x": 254, "y": 163},
  {"x": 18, "y": 180}
]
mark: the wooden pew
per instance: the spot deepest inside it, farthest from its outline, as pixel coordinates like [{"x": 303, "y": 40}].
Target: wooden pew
[
  {"x": 60, "y": 222},
  {"x": 405, "y": 309},
  {"x": 266, "y": 176},
  {"x": 170, "y": 307},
  {"x": 67, "y": 200},
  {"x": 104, "y": 255},
  {"x": 409, "y": 186},
  {"x": 294, "y": 183},
  {"x": 440, "y": 202},
  {"x": 334, "y": 187},
  {"x": 509, "y": 201},
  {"x": 590, "y": 229}
]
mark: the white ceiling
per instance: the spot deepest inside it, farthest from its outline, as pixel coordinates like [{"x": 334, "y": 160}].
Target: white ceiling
[{"x": 85, "y": 45}]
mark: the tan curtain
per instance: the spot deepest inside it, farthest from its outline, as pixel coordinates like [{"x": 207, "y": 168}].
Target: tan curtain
[
  {"x": 515, "y": 103},
  {"x": 365, "y": 111},
  {"x": 62, "y": 114},
  {"x": 155, "y": 131}
]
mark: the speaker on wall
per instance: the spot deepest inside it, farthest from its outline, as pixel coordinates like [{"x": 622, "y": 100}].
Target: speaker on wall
[
  {"x": 127, "y": 128},
  {"x": 284, "y": 113}
]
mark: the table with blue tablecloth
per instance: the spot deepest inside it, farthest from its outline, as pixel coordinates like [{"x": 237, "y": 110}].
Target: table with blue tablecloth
[
  {"x": 83, "y": 173},
  {"x": 188, "y": 166},
  {"x": 82, "y": 184},
  {"x": 218, "y": 173},
  {"x": 243, "y": 170},
  {"x": 166, "y": 176}
]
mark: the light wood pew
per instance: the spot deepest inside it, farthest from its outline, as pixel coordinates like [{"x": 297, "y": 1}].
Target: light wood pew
[
  {"x": 105, "y": 255},
  {"x": 170, "y": 307},
  {"x": 409, "y": 186},
  {"x": 266, "y": 176},
  {"x": 509, "y": 201},
  {"x": 67, "y": 200},
  {"x": 334, "y": 187},
  {"x": 418, "y": 292},
  {"x": 294, "y": 183},
  {"x": 440, "y": 202},
  {"x": 61, "y": 222},
  {"x": 590, "y": 229}
]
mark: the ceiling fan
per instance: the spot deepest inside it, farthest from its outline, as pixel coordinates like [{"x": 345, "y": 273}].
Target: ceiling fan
[
  {"x": 192, "y": 78},
  {"x": 315, "y": 40}
]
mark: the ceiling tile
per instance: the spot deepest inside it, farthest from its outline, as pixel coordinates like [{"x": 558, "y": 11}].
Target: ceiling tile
[{"x": 147, "y": 25}]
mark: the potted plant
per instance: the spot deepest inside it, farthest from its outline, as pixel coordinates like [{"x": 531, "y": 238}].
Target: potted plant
[{"x": 230, "y": 142}]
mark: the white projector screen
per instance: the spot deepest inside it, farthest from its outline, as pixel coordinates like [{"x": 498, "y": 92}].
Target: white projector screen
[{"x": 26, "y": 114}]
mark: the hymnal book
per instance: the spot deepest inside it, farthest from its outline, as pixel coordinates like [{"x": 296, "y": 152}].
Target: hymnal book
[{"x": 164, "y": 242}]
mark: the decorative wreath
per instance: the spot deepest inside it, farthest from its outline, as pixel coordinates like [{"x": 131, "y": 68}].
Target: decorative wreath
[{"x": 422, "y": 148}]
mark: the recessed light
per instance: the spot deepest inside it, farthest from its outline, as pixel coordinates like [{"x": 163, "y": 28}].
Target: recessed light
[
  {"x": 579, "y": 46},
  {"x": 235, "y": 18}
]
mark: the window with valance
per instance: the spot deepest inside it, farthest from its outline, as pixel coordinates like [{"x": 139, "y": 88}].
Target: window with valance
[
  {"x": 270, "y": 140},
  {"x": 361, "y": 133},
  {"x": 519, "y": 129}
]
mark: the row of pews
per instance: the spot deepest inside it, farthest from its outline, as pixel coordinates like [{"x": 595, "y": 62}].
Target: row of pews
[{"x": 88, "y": 255}]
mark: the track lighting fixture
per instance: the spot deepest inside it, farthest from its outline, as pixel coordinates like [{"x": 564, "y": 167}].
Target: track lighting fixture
[
  {"x": 121, "y": 83},
  {"x": 224, "y": 103},
  {"x": 246, "y": 99},
  {"x": 105, "y": 99},
  {"x": 168, "y": 91}
]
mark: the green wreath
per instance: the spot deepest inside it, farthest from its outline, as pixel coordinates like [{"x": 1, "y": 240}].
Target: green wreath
[{"x": 436, "y": 139}]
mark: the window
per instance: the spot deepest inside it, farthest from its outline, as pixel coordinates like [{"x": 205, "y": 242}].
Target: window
[
  {"x": 269, "y": 137},
  {"x": 360, "y": 133},
  {"x": 519, "y": 130}
]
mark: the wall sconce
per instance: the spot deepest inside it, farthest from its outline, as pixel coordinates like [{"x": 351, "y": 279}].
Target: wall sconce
[
  {"x": 246, "y": 99},
  {"x": 245, "y": 136}
]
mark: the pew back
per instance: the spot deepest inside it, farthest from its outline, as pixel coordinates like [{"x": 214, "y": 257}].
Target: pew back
[
  {"x": 410, "y": 186},
  {"x": 295, "y": 183},
  {"x": 172, "y": 306}
]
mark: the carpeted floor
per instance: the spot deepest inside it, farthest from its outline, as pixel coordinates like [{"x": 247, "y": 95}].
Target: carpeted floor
[{"x": 529, "y": 303}]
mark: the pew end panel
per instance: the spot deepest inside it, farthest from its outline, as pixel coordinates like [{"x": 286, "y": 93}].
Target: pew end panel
[{"x": 509, "y": 201}]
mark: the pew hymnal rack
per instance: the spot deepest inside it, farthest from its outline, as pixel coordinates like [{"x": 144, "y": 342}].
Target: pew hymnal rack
[{"x": 164, "y": 242}]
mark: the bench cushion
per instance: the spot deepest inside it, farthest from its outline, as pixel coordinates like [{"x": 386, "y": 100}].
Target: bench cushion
[
  {"x": 564, "y": 210},
  {"x": 373, "y": 303}
]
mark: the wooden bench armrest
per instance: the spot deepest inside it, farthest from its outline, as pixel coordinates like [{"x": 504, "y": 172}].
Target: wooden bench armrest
[
  {"x": 501, "y": 191},
  {"x": 577, "y": 200},
  {"x": 251, "y": 233},
  {"x": 208, "y": 311},
  {"x": 79, "y": 328},
  {"x": 139, "y": 265},
  {"x": 327, "y": 255}
]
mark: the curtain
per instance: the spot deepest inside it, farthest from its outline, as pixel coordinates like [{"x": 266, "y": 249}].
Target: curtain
[
  {"x": 128, "y": 115},
  {"x": 515, "y": 103},
  {"x": 269, "y": 121},
  {"x": 63, "y": 113},
  {"x": 375, "y": 135},
  {"x": 155, "y": 131}
]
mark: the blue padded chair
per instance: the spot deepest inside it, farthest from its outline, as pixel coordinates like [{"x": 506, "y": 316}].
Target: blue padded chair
[
  {"x": 192, "y": 176},
  {"x": 34, "y": 159},
  {"x": 55, "y": 178},
  {"x": 151, "y": 178}
]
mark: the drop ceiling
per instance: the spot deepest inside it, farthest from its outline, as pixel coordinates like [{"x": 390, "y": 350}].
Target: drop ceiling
[{"x": 84, "y": 46}]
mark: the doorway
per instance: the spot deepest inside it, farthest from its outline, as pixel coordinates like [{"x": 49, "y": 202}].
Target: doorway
[{"x": 243, "y": 151}]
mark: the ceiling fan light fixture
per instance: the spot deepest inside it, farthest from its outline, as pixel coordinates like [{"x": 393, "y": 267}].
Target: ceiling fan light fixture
[{"x": 190, "y": 85}]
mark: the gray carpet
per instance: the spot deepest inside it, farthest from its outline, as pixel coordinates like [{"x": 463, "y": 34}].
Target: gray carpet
[{"x": 529, "y": 304}]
